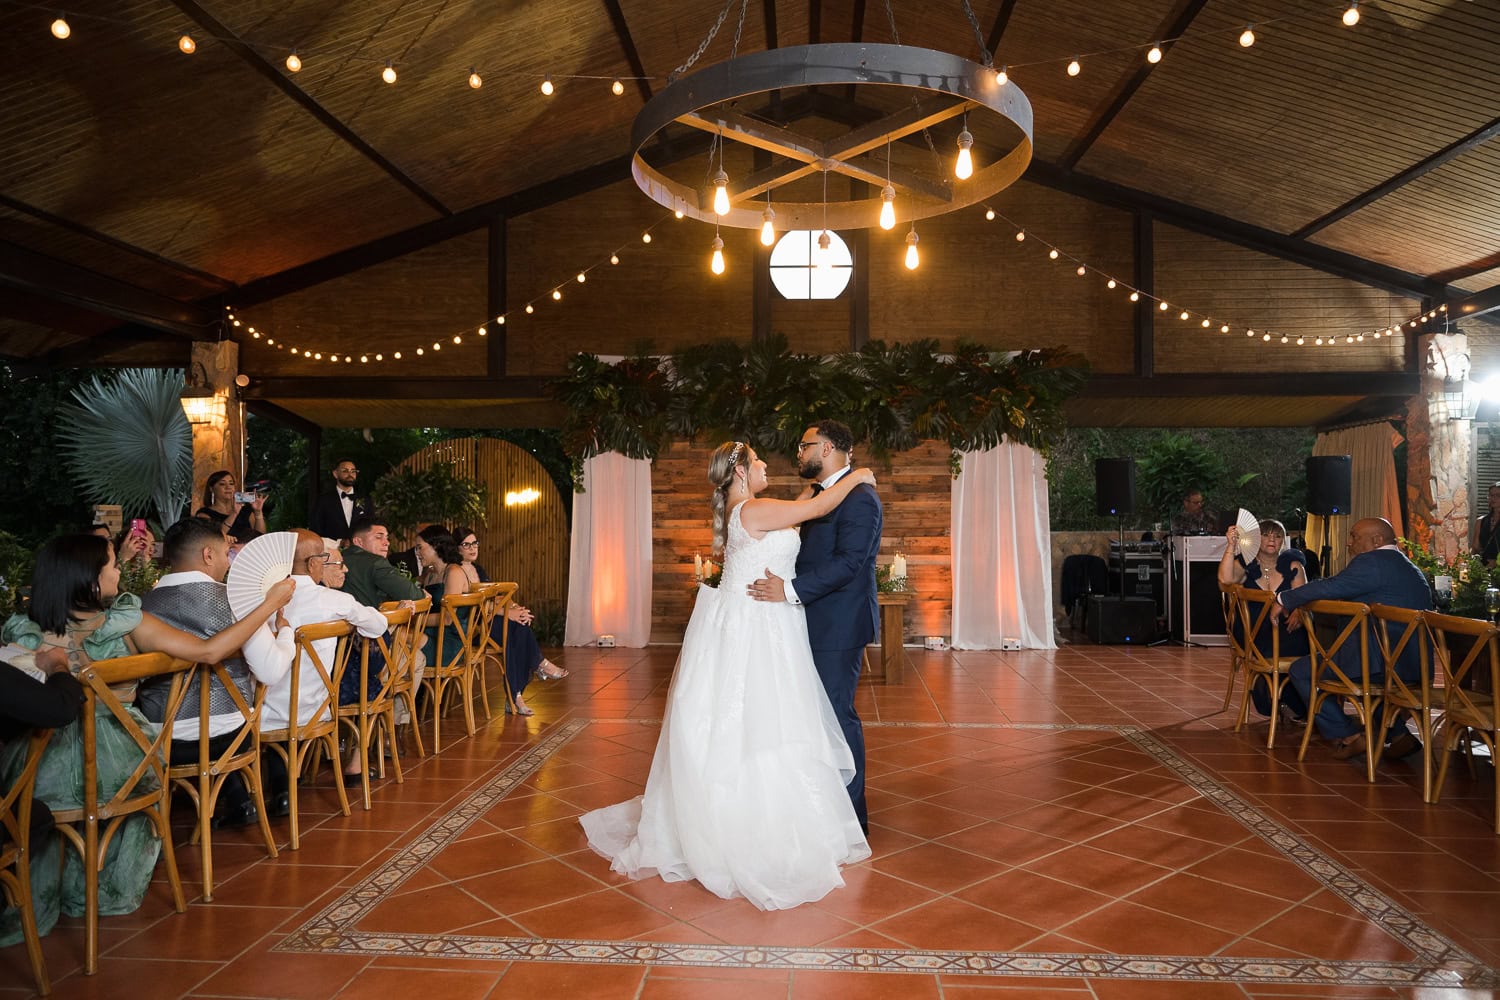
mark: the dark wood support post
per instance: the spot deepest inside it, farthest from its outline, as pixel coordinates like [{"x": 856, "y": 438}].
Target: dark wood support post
[{"x": 495, "y": 293}]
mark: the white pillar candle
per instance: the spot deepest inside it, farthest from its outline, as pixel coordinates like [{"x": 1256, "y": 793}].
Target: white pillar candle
[{"x": 697, "y": 564}]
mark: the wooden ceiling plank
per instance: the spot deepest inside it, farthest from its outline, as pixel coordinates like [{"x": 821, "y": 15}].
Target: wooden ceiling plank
[
  {"x": 27, "y": 271},
  {"x": 106, "y": 349},
  {"x": 1454, "y": 149},
  {"x": 997, "y": 30},
  {"x": 627, "y": 46},
  {"x": 274, "y": 76},
  {"x": 1174, "y": 26},
  {"x": 1455, "y": 274}
]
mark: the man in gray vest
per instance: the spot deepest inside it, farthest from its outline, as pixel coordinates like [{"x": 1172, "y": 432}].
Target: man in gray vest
[{"x": 192, "y": 597}]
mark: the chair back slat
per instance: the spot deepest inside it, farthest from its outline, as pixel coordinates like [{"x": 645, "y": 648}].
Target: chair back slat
[
  {"x": 328, "y": 674},
  {"x": 100, "y": 679},
  {"x": 465, "y": 625},
  {"x": 1482, "y": 657},
  {"x": 1255, "y": 607},
  {"x": 1356, "y": 616},
  {"x": 15, "y": 803},
  {"x": 1413, "y": 633}
]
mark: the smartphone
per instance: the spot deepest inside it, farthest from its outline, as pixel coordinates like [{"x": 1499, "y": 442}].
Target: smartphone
[
  {"x": 138, "y": 526},
  {"x": 245, "y": 497}
]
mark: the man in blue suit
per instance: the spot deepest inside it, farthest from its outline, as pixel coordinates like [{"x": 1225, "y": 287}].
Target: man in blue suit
[
  {"x": 835, "y": 581},
  {"x": 1379, "y": 573}
]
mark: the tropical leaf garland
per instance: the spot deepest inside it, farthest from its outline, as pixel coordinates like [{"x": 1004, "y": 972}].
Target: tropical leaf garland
[
  {"x": 127, "y": 441},
  {"x": 892, "y": 397}
]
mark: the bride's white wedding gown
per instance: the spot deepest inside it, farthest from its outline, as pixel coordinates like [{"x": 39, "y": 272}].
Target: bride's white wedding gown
[{"x": 746, "y": 791}]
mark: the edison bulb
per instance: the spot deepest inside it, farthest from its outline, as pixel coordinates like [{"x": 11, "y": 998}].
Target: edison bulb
[
  {"x": 716, "y": 264},
  {"x": 475, "y": 80},
  {"x": 293, "y": 64},
  {"x": 187, "y": 45},
  {"x": 547, "y": 87},
  {"x": 824, "y": 261},
  {"x": 1082, "y": 270},
  {"x": 1074, "y": 68},
  {"x": 1351, "y": 16},
  {"x": 767, "y": 227},
  {"x": 888, "y": 208},
  {"x": 1247, "y": 38},
  {"x": 721, "y": 193},
  {"x": 963, "y": 169},
  {"x": 1154, "y": 56},
  {"x": 388, "y": 74},
  {"x": 912, "y": 260},
  {"x": 1021, "y": 236},
  {"x": 617, "y": 88},
  {"x": 530, "y": 308},
  {"x": 61, "y": 28},
  {"x": 1052, "y": 254}
]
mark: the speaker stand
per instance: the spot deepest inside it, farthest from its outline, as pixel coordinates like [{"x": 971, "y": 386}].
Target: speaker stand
[{"x": 1326, "y": 552}]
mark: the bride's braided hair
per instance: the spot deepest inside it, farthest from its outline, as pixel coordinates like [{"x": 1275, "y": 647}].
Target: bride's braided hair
[{"x": 726, "y": 458}]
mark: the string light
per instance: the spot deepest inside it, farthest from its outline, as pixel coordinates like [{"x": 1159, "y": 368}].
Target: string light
[
  {"x": 1184, "y": 315},
  {"x": 187, "y": 45},
  {"x": 1154, "y": 56},
  {"x": 293, "y": 64},
  {"x": 61, "y": 29},
  {"x": 1247, "y": 37},
  {"x": 475, "y": 80},
  {"x": 1164, "y": 306},
  {"x": 582, "y": 277},
  {"x": 1351, "y": 16},
  {"x": 617, "y": 88},
  {"x": 989, "y": 215},
  {"x": 547, "y": 87},
  {"x": 557, "y": 295},
  {"x": 1082, "y": 270},
  {"x": 1074, "y": 68},
  {"x": 1003, "y": 77},
  {"x": 388, "y": 74},
  {"x": 1052, "y": 254},
  {"x": 677, "y": 215},
  {"x": 1224, "y": 328},
  {"x": 645, "y": 237},
  {"x": 1205, "y": 324},
  {"x": 614, "y": 258},
  {"x": 1021, "y": 236},
  {"x": 530, "y": 308},
  {"x": 1110, "y": 283},
  {"x": 1135, "y": 296}
]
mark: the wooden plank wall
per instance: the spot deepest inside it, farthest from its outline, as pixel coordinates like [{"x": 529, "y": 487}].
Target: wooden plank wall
[
  {"x": 525, "y": 543},
  {"x": 914, "y": 490}
]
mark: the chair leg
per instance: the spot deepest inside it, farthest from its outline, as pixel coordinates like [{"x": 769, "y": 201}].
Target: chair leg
[
  {"x": 293, "y": 779},
  {"x": 1275, "y": 682},
  {"x": 206, "y": 800},
  {"x": 258, "y": 794},
  {"x": 1244, "y": 713},
  {"x": 1450, "y": 739},
  {"x": 1372, "y": 748},
  {"x": 91, "y": 896},
  {"x": 390, "y": 731},
  {"x": 27, "y": 906},
  {"x": 411, "y": 721},
  {"x": 484, "y": 695},
  {"x": 364, "y": 752},
  {"x": 467, "y": 685},
  {"x": 1424, "y": 729},
  {"x": 1234, "y": 668},
  {"x": 1312, "y": 715}
]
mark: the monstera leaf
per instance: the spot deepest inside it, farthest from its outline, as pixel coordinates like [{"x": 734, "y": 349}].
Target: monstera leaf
[{"x": 126, "y": 441}]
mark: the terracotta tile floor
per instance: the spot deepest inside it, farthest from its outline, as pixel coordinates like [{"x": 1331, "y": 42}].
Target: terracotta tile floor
[{"x": 1075, "y": 824}]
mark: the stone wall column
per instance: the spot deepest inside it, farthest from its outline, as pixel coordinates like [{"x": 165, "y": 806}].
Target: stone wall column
[
  {"x": 219, "y": 429},
  {"x": 1438, "y": 432}
]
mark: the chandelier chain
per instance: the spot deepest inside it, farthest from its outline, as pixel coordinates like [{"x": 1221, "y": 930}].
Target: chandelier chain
[
  {"x": 890, "y": 17},
  {"x": 707, "y": 41},
  {"x": 985, "y": 58},
  {"x": 734, "y": 49}
]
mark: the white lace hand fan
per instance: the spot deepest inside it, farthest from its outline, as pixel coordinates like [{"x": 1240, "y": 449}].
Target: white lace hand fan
[
  {"x": 1249, "y": 534},
  {"x": 261, "y": 563}
]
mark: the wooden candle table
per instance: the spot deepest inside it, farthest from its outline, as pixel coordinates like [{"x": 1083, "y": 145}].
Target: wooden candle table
[{"x": 892, "y": 612}]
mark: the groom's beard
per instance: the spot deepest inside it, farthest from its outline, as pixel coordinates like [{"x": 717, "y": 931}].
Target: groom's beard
[{"x": 811, "y": 469}]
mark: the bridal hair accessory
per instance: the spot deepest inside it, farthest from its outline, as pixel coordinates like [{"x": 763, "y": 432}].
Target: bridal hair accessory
[{"x": 734, "y": 456}]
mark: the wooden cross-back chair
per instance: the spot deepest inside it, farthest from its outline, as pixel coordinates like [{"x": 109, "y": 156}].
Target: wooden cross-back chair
[
  {"x": 371, "y": 721},
  {"x": 16, "y": 853},
  {"x": 1255, "y": 606},
  {"x": 1329, "y": 680},
  {"x": 299, "y": 742},
  {"x": 145, "y": 790},
  {"x": 404, "y": 680},
  {"x": 204, "y": 778},
  {"x": 497, "y": 601},
  {"x": 1467, "y": 708},
  {"x": 1416, "y": 698},
  {"x": 452, "y": 671},
  {"x": 1229, "y": 604}
]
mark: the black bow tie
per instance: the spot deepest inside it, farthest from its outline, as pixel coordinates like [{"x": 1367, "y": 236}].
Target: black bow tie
[
  {"x": 343, "y": 495},
  {"x": 817, "y": 488}
]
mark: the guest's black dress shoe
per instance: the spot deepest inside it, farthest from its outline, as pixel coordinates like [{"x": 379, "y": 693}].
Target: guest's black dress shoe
[
  {"x": 240, "y": 815},
  {"x": 279, "y": 805}
]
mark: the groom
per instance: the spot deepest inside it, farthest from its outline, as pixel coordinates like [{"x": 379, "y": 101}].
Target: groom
[{"x": 836, "y": 582}]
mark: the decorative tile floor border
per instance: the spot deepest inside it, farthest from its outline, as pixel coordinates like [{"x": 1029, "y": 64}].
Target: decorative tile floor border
[{"x": 1440, "y": 962}]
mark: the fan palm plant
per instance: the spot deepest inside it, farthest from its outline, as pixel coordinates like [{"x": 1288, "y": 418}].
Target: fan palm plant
[{"x": 126, "y": 441}]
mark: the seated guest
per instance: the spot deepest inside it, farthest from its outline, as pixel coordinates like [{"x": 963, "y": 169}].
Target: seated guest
[
  {"x": 76, "y": 608},
  {"x": 1485, "y": 540},
  {"x": 523, "y": 655},
  {"x": 311, "y": 604},
  {"x": 370, "y": 577},
  {"x": 1378, "y": 573},
  {"x": 1194, "y": 518},
  {"x": 1278, "y": 570},
  {"x": 244, "y": 520},
  {"x": 136, "y": 548},
  {"x": 192, "y": 597}
]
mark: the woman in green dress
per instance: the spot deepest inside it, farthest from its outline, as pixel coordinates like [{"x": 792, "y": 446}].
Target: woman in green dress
[{"x": 77, "y": 611}]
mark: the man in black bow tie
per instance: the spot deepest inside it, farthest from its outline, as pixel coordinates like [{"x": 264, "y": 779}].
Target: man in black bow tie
[{"x": 335, "y": 510}]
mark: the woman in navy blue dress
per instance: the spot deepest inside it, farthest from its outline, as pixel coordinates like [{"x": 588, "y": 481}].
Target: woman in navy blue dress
[{"x": 1277, "y": 568}]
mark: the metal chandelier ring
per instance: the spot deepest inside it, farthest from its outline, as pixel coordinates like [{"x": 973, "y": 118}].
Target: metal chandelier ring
[{"x": 944, "y": 85}]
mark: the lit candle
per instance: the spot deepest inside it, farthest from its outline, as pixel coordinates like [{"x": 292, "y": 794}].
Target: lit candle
[
  {"x": 698, "y": 565},
  {"x": 898, "y": 566}
]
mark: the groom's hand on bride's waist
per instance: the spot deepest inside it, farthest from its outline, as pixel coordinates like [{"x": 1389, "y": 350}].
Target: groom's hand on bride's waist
[{"x": 768, "y": 588}]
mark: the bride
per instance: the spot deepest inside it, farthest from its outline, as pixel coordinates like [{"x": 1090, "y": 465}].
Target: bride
[{"x": 746, "y": 790}]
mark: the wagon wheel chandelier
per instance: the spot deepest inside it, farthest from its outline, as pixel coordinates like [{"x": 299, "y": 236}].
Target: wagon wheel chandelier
[{"x": 937, "y": 87}]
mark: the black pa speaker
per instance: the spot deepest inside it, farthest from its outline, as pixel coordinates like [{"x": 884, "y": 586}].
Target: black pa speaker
[
  {"x": 1114, "y": 621},
  {"x": 1114, "y": 486},
  {"x": 1328, "y": 484}
]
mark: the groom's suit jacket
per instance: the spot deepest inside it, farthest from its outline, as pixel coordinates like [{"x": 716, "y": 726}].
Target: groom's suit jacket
[{"x": 836, "y": 572}]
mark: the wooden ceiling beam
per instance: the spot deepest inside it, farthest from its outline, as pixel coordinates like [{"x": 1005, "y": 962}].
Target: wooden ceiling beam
[
  {"x": 997, "y": 30},
  {"x": 268, "y": 410},
  {"x": 513, "y": 387},
  {"x": 1476, "y": 304},
  {"x": 27, "y": 271},
  {"x": 145, "y": 348},
  {"x": 273, "y": 75},
  {"x": 1479, "y": 266},
  {"x": 627, "y": 45},
  {"x": 1454, "y": 149},
  {"x": 1172, "y": 27},
  {"x": 814, "y": 21},
  {"x": 72, "y": 226},
  {"x": 1268, "y": 384}
]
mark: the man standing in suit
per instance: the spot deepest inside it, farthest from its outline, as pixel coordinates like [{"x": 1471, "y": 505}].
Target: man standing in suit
[
  {"x": 835, "y": 581},
  {"x": 336, "y": 510},
  {"x": 1379, "y": 573}
]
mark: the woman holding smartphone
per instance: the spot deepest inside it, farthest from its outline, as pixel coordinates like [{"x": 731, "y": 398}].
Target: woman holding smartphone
[{"x": 243, "y": 512}]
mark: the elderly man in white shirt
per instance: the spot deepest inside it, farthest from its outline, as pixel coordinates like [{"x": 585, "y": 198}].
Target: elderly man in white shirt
[{"x": 311, "y": 604}]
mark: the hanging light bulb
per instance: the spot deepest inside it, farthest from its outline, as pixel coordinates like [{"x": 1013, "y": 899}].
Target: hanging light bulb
[
  {"x": 1154, "y": 55},
  {"x": 1164, "y": 307},
  {"x": 989, "y": 215},
  {"x": 617, "y": 88},
  {"x": 825, "y": 259},
  {"x": 1074, "y": 68},
  {"x": 1110, "y": 283},
  {"x": 582, "y": 277},
  {"x": 1247, "y": 37},
  {"x": 388, "y": 74},
  {"x": 547, "y": 87},
  {"x": 716, "y": 264},
  {"x": 614, "y": 258},
  {"x": 1082, "y": 270},
  {"x": 721, "y": 193},
  {"x": 187, "y": 45},
  {"x": 1135, "y": 296},
  {"x": 1184, "y": 315},
  {"x": 912, "y": 260},
  {"x": 1204, "y": 324},
  {"x": 888, "y": 208},
  {"x": 1021, "y": 236},
  {"x": 1052, "y": 254},
  {"x": 1003, "y": 77},
  {"x": 293, "y": 64},
  {"x": 645, "y": 237},
  {"x": 768, "y": 226},
  {"x": 530, "y": 308},
  {"x": 1351, "y": 16},
  {"x": 475, "y": 80},
  {"x": 1266, "y": 337},
  {"x": 963, "y": 169},
  {"x": 1224, "y": 328},
  {"x": 1301, "y": 341},
  {"x": 677, "y": 215},
  {"x": 557, "y": 295},
  {"x": 61, "y": 29}
]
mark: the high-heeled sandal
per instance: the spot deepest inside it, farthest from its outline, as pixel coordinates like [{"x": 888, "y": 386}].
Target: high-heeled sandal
[{"x": 542, "y": 674}]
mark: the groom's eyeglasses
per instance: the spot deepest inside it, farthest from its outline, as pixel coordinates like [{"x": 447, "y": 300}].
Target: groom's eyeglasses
[{"x": 807, "y": 444}]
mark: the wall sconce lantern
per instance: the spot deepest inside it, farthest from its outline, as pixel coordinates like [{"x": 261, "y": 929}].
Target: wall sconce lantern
[{"x": 202, "y": 405}]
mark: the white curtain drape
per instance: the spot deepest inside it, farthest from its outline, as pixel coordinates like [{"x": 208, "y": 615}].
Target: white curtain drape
[
  {"x": 609, "y": 567},
  {"x": 1002, "y": 550},
  {"x": 1372, "y": 486}
]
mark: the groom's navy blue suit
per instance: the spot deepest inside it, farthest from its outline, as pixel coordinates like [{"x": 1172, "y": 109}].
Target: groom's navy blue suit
[{"x": 836, "y": 583}]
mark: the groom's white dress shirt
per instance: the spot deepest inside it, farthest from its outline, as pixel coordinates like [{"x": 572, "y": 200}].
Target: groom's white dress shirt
[
  {"x": 791, "y": 593},
  {"x": 312, "y": 603}
]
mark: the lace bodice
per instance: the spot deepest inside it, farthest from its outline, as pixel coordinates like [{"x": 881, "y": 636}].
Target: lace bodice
[{"x": 747, "y": 558}]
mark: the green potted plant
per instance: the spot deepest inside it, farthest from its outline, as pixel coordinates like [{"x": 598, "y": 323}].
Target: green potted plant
[{"x": 407, "y": 498}]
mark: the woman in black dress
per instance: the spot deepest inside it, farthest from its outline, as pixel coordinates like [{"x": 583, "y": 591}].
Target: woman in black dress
[
  {"x": 245, "y": 520},
  {"x": 1278, "y": 568}
]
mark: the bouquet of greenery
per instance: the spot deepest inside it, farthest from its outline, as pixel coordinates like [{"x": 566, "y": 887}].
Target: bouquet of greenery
[{"x": 1471, "y": 578}]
